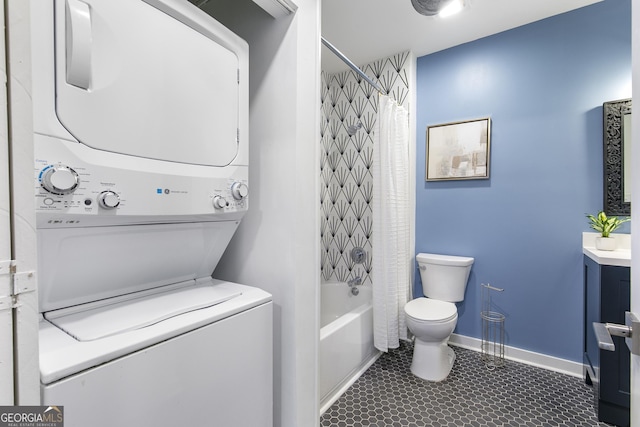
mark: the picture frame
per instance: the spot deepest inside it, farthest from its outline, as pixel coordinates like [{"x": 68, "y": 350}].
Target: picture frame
[{"x": 459, "y": 150}]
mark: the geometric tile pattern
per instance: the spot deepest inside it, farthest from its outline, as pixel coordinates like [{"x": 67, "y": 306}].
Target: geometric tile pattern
[
  {"x": 346, "y": 187},
  {"x": 387, "y": 394}
]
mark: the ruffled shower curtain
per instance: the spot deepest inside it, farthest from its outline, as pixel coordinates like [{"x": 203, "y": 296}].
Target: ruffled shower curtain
[{"x": 391, "y": 274}]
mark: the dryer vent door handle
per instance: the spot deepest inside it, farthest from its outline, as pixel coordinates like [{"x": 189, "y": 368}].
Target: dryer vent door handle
[{"x": 78, "y": 43}]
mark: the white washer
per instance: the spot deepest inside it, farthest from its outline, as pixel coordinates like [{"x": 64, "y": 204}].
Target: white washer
[
  {"x": 141, "y": 160},
  {"x": 202, "y": 367}
]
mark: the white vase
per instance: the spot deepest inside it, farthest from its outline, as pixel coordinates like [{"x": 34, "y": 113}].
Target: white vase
[{"x": 606, "y": 243}]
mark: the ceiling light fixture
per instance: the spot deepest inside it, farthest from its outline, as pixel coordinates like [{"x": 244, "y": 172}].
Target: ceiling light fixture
[
  {"x": 451, "y": 8},
  {"x": 437, "y": 7},
  {"x": 427, "y": 7}
]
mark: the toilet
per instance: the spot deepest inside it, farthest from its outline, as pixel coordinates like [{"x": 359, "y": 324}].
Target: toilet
[{"x": 432, "y": 318}]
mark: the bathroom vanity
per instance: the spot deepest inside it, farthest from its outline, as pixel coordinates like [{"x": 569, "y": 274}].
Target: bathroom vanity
[{"x": 606, "y": 298}]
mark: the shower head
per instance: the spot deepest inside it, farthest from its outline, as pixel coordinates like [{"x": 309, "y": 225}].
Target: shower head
[
  {"x": 429, "y": 7},
  {"x": 353, "y": 129}
]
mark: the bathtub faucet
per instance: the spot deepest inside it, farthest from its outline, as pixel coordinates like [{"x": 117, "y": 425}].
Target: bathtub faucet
[{"x": 356, "y": 281}]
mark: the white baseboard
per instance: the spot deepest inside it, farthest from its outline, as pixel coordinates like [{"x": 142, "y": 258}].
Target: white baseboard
[{"x": 523, "y": 356}]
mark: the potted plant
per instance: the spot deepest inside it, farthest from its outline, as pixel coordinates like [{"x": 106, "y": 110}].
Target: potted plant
[{"x": 605, "y": 225}]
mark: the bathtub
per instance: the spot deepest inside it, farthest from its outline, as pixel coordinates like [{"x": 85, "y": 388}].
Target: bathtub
[{"x": 346, "y": 339}]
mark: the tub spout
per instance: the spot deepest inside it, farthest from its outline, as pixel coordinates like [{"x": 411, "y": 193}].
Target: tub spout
[{"x": 356, "y": 281}]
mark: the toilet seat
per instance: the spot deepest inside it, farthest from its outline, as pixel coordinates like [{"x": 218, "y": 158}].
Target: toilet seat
[{"x": 428, "y": 310}]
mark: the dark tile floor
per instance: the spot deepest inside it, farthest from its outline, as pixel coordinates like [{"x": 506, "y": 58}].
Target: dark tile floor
[{"x": 515, "y": 395}]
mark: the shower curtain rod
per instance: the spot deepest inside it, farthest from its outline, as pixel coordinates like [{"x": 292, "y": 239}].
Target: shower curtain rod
[{"x": 351, "y": 65}]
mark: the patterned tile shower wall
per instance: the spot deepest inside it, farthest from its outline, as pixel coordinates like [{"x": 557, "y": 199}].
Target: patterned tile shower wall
[{"x": 349, "y": 118}]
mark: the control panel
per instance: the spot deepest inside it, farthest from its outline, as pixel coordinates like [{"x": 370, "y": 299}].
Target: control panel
[{"x": 70, "y": 192}]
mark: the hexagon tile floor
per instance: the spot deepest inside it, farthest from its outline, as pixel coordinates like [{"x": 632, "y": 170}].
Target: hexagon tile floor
[{"x": 516, "y": 395}]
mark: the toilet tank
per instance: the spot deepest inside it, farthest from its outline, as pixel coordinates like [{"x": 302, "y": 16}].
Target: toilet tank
[{"x": 444, "y": 277}]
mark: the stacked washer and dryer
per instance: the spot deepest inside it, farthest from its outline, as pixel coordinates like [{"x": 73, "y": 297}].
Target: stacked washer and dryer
[{"x": 141, "y": 179}]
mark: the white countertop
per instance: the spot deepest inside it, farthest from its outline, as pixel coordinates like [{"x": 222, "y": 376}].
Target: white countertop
[{"x": 621, "y": 257}]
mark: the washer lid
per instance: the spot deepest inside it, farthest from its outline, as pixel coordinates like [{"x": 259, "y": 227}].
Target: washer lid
[
  {"x": 426, "y": 309},
  {"x": 107, "y": 318}
]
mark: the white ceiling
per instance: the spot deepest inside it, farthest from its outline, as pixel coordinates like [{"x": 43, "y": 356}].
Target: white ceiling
[{"x": 367, "y": 30}]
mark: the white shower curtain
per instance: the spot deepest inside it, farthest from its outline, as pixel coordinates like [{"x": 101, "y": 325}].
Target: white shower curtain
[{"x": 391, "y": 276}]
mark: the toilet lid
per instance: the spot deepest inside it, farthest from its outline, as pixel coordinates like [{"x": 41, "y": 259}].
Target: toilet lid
[{"x": 427, "y": 309}]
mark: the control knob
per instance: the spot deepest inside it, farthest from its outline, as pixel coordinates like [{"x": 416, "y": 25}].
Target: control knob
[
  {"x": 219, "y": 202},
  {"x": 239, "y": 190},
  {"x": 60, "y": 179},
  {"x": 108, "y": 200}
]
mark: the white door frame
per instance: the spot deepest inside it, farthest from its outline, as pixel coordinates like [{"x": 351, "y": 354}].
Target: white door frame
[
  {"x": 17, "y": 120},
  {"x": 6, "y": 302}
]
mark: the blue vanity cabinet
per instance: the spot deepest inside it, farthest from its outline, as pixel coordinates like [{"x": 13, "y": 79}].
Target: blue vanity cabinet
[{"x": 607, "y": 297}]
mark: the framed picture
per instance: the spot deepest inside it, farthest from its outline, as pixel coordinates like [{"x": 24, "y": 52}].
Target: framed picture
[{"x": 458, "y": 150}]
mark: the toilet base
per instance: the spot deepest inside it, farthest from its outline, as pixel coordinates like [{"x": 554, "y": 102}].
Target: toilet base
[{"x": 432, "y": 361}]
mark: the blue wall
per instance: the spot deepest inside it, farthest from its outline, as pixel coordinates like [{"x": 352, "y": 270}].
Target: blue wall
[{"x": 543, "y": 86}]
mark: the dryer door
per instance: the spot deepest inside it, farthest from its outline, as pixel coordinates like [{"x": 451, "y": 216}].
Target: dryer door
[{"x": 132, "y": 79}]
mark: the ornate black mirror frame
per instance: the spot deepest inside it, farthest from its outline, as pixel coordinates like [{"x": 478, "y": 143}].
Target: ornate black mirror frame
[{"x": 613, "y": 112}]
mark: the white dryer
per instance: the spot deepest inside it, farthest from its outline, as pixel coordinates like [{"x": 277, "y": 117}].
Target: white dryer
[{"x": 141, "y": 158}]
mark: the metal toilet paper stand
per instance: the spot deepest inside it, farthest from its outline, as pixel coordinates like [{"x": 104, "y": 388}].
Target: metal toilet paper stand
[{"x": 492, "y": 330}]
